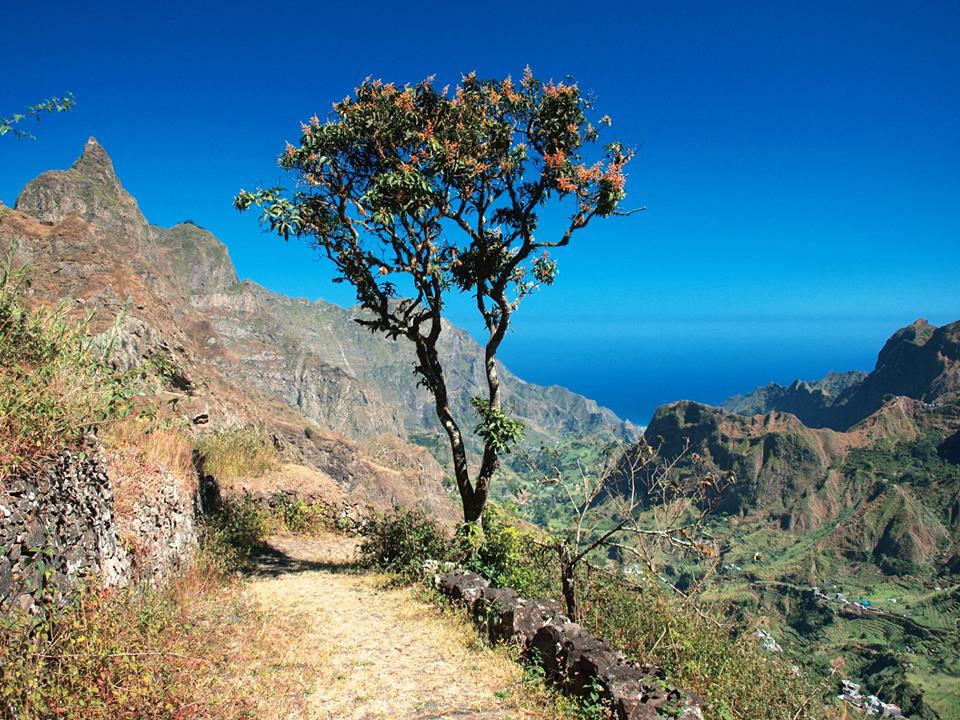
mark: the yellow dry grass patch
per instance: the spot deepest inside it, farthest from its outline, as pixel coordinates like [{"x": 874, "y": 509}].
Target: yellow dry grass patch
[
  {"x": 137, "y": 458},
  {"x": 363, "y": 650},
  {"x": 310, "y": 483}
]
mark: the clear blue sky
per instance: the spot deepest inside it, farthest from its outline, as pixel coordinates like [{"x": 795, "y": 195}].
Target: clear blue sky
[{"x": 800, "y": 162}]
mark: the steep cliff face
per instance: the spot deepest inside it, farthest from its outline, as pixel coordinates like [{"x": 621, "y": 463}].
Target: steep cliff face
[
  {"x": 88, "y": 243},
  {"x": 883, "y": 483},
  {"x": 775, "y": 457}
]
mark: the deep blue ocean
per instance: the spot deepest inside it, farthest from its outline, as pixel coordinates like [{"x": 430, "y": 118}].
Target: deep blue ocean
[{"x": 707, "y": 361}]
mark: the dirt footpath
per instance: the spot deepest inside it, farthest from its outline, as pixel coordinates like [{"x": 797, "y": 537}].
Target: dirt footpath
[{"x": 360, "y": 650}]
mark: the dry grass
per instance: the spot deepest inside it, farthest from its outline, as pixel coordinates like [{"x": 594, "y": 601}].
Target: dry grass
[
  {"x": 137, "y": 458},
  {"x": 310, "y": 484},
  {"x": 176, "y": 654},
  {"x": 55, "y": 378},
  {"x": 390, "y": 452},
  {"x": 239, "y": 452}
]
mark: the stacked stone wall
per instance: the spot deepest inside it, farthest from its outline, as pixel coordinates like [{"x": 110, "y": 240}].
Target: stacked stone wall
[{"x": 58, "y": 527}]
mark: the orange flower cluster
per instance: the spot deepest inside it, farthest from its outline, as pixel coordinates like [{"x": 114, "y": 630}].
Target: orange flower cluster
[
  {"x": 555, "y": 160},
  {"x": 550, "y": 90},
  {"x": 565, "y": 184},
  {"x": 614, "y": 175},
  {"x": 427, "y": 133},
  {"x": 404, "y": 101},
  {"x": 587, "y": 175},
  {"x": 507, "y": 87}
]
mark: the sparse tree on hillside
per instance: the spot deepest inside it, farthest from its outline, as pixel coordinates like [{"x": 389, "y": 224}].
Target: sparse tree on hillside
[
  {"x": 643, "y": 505},
  {"x": 417, "y": 192},
  {"x": 12, "y": 124}
]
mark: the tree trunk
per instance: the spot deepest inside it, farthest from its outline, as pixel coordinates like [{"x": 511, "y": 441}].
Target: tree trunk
[
  {"x": 569, "y": 583},
  {"x": 472, "y": 498},
  {"x": 473, "y": 505}
]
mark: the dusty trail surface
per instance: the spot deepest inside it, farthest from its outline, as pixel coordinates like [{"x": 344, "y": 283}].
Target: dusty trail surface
[{"x": 359, "y": 650}]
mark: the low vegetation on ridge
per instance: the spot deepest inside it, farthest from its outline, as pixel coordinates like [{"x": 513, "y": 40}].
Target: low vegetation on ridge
[{"x": 56, "y": 381}]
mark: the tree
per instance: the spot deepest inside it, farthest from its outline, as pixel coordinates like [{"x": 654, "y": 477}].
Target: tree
[
  {"x": 55, "y": 104},
  {"x": 414, "y": 193}
]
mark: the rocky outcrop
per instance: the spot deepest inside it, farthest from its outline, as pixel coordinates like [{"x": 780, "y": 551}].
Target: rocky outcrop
[
  {"x": 920, "y": 362},
  {"x": 571, "y": 657},
  {"x": 91, "y": 190},
  {"x": 58, "y": 526}
]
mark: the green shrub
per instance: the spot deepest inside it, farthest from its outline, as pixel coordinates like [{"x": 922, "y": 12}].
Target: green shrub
[
  {"x": 297, "y": 516},
  {"x": 234, "y": 531},
  {"x": 504, "y": 554},
  {"x": 401, "y": 542},
  {"x": 55, "y": 377},
  {"x": 237, "y": 452}
]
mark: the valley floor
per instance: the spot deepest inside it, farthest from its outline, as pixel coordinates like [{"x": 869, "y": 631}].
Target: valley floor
[{"x": 359, "y": 649}]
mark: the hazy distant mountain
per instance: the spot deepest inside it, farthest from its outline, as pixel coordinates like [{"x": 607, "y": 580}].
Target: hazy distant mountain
[{"x": 806, "y": 400}]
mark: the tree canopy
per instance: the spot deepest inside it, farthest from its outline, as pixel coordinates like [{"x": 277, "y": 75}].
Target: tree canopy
[{"x": 415, "y": 192}]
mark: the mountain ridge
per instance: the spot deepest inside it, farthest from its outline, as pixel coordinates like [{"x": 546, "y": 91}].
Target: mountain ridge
[
  {"x": 88, "y": 240},
  {"x": 920, "y": 361}
]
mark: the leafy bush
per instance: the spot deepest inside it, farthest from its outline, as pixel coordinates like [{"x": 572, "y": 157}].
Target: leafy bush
[
  {"x": 237, "y": 452},
  {"x": 504, "y": 554},
  {"x": 401, "y": 542},
  {"x": 55, "y": 377},
  {"x": 234, "y": 531}
]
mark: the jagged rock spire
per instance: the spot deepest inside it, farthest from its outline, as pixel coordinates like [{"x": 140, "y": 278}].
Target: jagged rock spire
[
  {"x": 95, "y": 161},
  {"x": 89, "y": 189}
]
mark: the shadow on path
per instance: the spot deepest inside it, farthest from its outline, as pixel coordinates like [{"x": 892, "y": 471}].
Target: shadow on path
[{"x": 273, "y": 562}]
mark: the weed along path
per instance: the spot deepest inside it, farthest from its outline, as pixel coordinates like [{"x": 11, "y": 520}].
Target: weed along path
[{"x": 360, "y": 650}]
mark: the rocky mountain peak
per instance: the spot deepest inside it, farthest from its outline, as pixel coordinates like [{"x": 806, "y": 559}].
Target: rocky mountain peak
[
  {"x": 89, "y": 189},
  {"x": 201, "y": 261},
  {"x": 95, "y": 162},
  {"x": 906, "y": 339}
]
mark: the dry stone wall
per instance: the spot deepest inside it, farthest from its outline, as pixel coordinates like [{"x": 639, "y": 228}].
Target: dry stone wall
[
  {"x": 571, "y": 657},
  {"x": 58, "y": 526}
]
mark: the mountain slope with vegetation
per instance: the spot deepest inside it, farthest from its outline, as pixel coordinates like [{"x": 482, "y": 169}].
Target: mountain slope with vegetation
[{"x": 841, "y": 535}]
